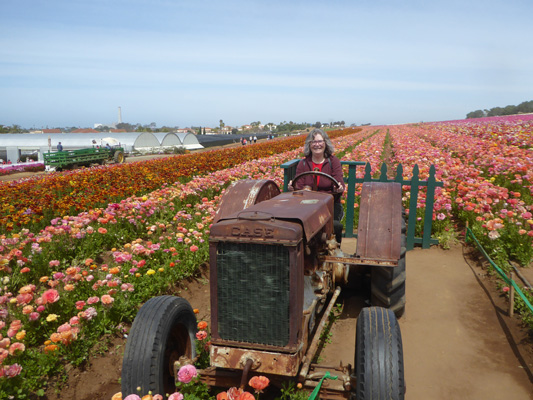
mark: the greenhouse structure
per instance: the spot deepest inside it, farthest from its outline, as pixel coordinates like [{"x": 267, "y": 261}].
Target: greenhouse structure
[{"x": 14, "y": 147}]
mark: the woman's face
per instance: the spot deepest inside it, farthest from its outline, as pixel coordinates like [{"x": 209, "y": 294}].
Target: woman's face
[{"x": 318, "y": 146}]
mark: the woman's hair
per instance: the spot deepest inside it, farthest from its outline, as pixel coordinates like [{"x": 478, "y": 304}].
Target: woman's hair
[{"x": 329, "y": 146}]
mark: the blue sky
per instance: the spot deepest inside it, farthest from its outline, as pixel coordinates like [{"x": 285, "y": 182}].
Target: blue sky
[{"x": 183, "y": 63}]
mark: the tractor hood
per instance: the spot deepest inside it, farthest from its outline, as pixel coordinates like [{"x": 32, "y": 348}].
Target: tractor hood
[{"x": 313, "y": 210}]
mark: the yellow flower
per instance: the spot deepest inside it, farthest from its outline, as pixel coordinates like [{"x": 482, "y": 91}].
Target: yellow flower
[
  {"x": 51, "y": 318},
  {"x": 161, "y": 269},
  {"x": 137, "y": 274},
  {"x": 150, "y": 272},
  {"x": 21, "y": 335}
]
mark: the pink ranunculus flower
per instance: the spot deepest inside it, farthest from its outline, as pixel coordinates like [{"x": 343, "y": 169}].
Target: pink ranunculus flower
[
  {"x": 17, "y": 346},
  {"x": 34, "y": 316},
  {"x": 187, "y": 373},
  {"x": 24, "y": 298},
  {"x": 157, "y": 397},
  {"x": 201, "y": 335},
  {"x": 50, "y": 296},
  {"x": 132, "y": 397},
  {"x": 13, "y": 370},
  {"x": 193, "y": 248},
  {"x": 93, "y": 300},
  {"x": 175, "y": 396}
]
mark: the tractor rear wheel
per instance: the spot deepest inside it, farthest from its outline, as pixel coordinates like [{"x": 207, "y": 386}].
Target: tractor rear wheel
[
  {"x": 118, "y": 157},
  {"x": 388, "y": 283},
  {"x": 378, "y": 356},
  {"x": 163, "y": 331}
]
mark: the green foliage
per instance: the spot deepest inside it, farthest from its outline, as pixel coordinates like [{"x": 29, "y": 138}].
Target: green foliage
[
  {"x": 290, "y": 391},
  {"x": 522, "y": 108}
]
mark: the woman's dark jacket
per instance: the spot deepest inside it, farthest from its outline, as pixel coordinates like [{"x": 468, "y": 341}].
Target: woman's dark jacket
[{"x": 332, "y": 166}]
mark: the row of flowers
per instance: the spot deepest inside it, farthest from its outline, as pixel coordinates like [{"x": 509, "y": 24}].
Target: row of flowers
[
  {"x": 486, "y": 184},
  {"x": 35, "y": 201}
]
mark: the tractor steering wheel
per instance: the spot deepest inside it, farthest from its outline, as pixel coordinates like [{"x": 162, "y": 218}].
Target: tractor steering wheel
[{"x": 317, "y": 173}]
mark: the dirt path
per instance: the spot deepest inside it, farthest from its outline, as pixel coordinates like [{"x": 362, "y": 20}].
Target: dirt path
[{"x": 458, "y": 341}]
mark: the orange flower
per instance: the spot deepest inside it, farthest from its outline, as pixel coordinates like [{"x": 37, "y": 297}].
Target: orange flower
[
  {"x": 259, "y": 383},
  {"x": 56, "y": 337},
  {"x": 114, "y": 270},
  {"x": 202, "y": 325},
  {"x": 50, "y": 348},
  {"x": 107, "y": 299},
  {"x": 196, "y": 311},
  {"x": 117, "y": 396},
  {"x": 246, "y": 396},
  {"x": 222, "y": 396}
]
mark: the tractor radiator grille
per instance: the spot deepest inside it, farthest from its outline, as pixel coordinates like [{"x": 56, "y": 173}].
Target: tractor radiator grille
[{"x": 253, "y": 293}]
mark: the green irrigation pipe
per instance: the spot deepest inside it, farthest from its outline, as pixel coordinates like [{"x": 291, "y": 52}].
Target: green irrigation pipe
[{"x": 507, "y": 280}]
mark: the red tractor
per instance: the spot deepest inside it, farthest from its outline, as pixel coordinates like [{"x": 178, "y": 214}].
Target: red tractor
[{"x": 276, "y": 272}]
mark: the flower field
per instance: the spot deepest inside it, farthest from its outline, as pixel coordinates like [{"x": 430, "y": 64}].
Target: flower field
[{"x": 80, "y": 251}]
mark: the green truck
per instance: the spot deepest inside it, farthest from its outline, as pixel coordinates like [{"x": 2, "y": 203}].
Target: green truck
[{"x": 71, "y": 159}]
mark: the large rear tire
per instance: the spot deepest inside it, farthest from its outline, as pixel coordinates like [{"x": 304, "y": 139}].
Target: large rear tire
[
  {"x": 119, "y": 157},
  {"x": 378, "y": 356},
  {"x": 388, "y": 283},
  {"x": 163, "y": 331}
]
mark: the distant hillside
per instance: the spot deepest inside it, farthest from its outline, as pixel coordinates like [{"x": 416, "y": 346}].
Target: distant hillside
[{"x": 522, "y": 108}]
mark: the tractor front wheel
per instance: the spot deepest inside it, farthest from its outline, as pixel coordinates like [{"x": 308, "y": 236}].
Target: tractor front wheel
[
  {"x": 378, "y": 356},
  {"x": 163, "y": 331}
]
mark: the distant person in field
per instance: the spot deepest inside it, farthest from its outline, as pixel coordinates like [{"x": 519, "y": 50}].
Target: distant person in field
[{"x": 59, "y": 147}]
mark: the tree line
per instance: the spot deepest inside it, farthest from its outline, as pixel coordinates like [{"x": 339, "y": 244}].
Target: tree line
[{"x": 523, "y": 108}]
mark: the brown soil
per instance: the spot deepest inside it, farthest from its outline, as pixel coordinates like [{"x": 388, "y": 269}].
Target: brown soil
[{"x": 458, "y": 341}]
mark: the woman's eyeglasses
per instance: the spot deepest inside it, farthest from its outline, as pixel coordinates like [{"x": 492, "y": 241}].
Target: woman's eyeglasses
[{"x": 317, "y": 141}]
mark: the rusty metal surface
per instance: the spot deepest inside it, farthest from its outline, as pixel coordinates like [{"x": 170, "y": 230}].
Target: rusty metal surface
[
  {"x": 243, "y": 194},
  {"x": 252, "y": 228},
  {"x": 331, "y": 389},
  {"x": 379, "y": 229},
  {"x": 310, "y": 354},
  {"x": 263, "y": 362},
  {"x": 313, "y": 209},
  {"x": 361, "y": 261}
]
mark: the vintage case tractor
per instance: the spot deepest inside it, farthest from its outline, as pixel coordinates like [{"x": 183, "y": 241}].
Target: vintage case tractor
[{"x": 276, "y": 272}]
